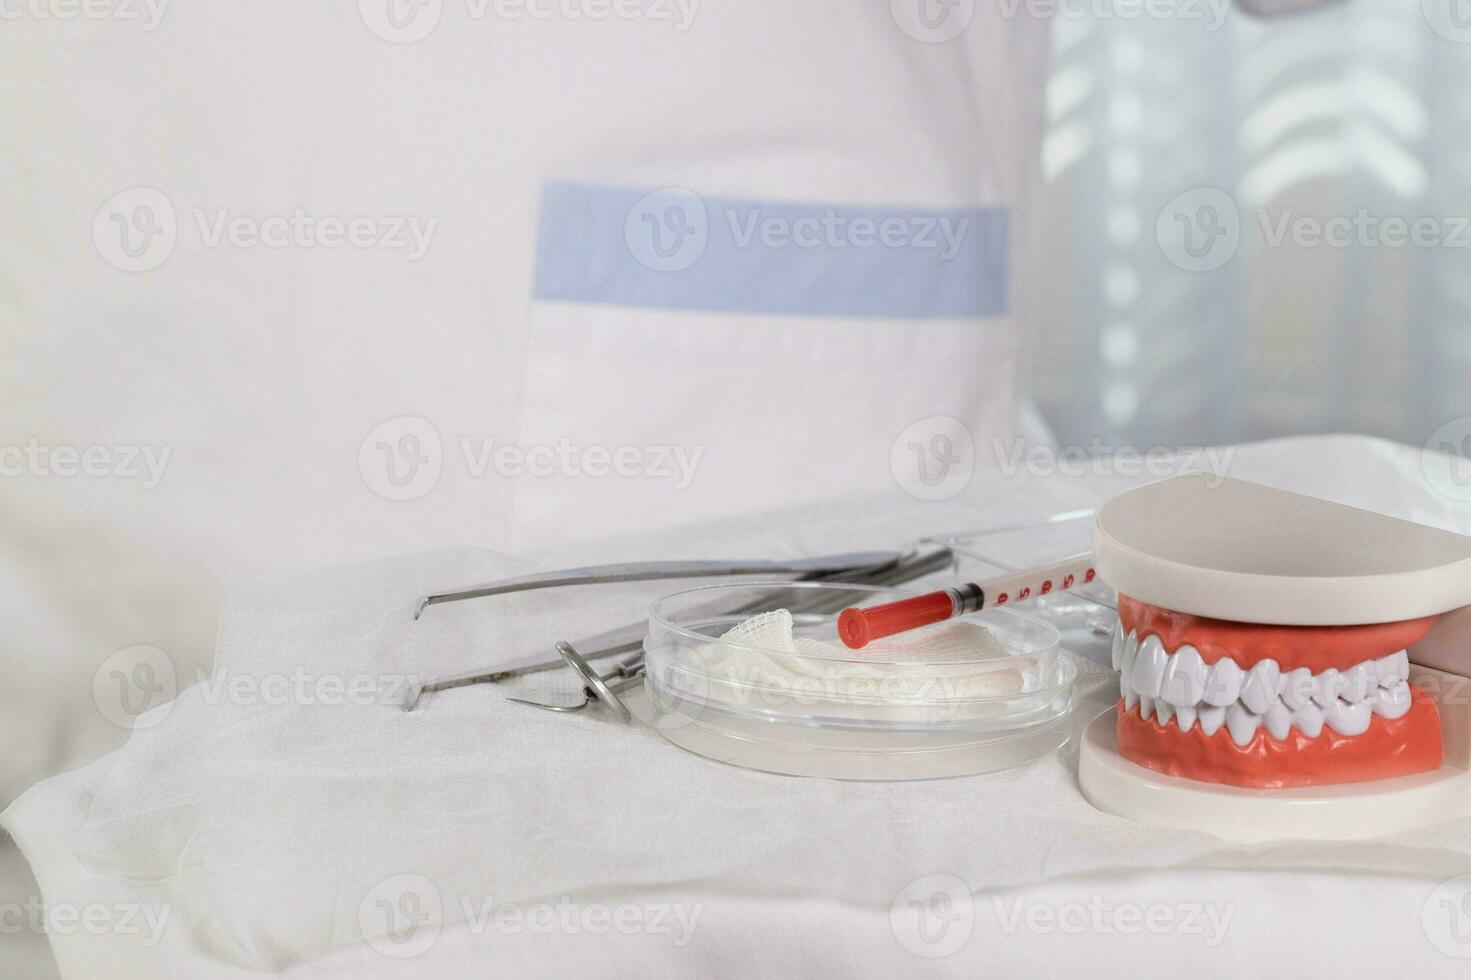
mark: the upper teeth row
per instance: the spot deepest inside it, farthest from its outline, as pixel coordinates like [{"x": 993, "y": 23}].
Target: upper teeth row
[{"x": 1183, "y": 686}]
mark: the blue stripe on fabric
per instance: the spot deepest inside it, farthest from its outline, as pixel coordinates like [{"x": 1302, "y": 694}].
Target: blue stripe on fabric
[{"x": 671, "y": 249}]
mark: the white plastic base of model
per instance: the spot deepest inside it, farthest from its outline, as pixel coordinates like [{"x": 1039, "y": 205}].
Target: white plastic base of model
[{"x": 1350, "y": 811}]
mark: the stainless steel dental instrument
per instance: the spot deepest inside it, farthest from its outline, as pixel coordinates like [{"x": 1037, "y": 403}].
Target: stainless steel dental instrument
[
  {"x": 797, "y": 600},
  {"x": 630, "y": 638},
  {"x": 870, "y": 568},
  {"x": 652, "y": 571},
  {"x": 596, "y": 687}
]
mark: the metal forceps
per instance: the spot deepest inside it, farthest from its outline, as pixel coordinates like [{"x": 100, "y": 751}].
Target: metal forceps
[
  {"x": 628, "y": 638},
  {"x": 603, "y": 688},
  {"x": 868, "y": 568}
]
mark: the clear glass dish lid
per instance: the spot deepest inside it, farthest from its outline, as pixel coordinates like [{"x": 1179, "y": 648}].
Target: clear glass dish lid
[{"x": 755, "y": 674}]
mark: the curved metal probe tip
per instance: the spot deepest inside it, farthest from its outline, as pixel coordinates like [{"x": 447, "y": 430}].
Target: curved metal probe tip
[{"x": 416, "y": 693}]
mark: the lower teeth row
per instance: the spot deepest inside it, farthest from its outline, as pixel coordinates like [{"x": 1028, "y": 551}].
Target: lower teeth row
[{"x": 1179, "y": 686}]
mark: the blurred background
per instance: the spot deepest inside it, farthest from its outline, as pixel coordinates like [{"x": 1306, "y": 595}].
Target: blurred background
[{"x": 1359, "y": 106}]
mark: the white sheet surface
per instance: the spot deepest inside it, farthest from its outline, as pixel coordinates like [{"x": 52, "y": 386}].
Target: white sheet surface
[{"x": 270, "y": 833}]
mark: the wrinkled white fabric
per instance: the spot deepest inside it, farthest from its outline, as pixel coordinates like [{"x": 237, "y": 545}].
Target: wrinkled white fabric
[{"x": 270, "y": 830}]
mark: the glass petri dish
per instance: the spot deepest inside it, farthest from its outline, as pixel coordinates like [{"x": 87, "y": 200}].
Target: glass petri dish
[{"x": 802, "y": 704}]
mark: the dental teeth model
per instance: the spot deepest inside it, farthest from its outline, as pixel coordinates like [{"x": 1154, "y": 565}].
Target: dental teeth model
[
  {"x": 1270, "y": 706},
  {"x": 1265, "y": 638}
]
